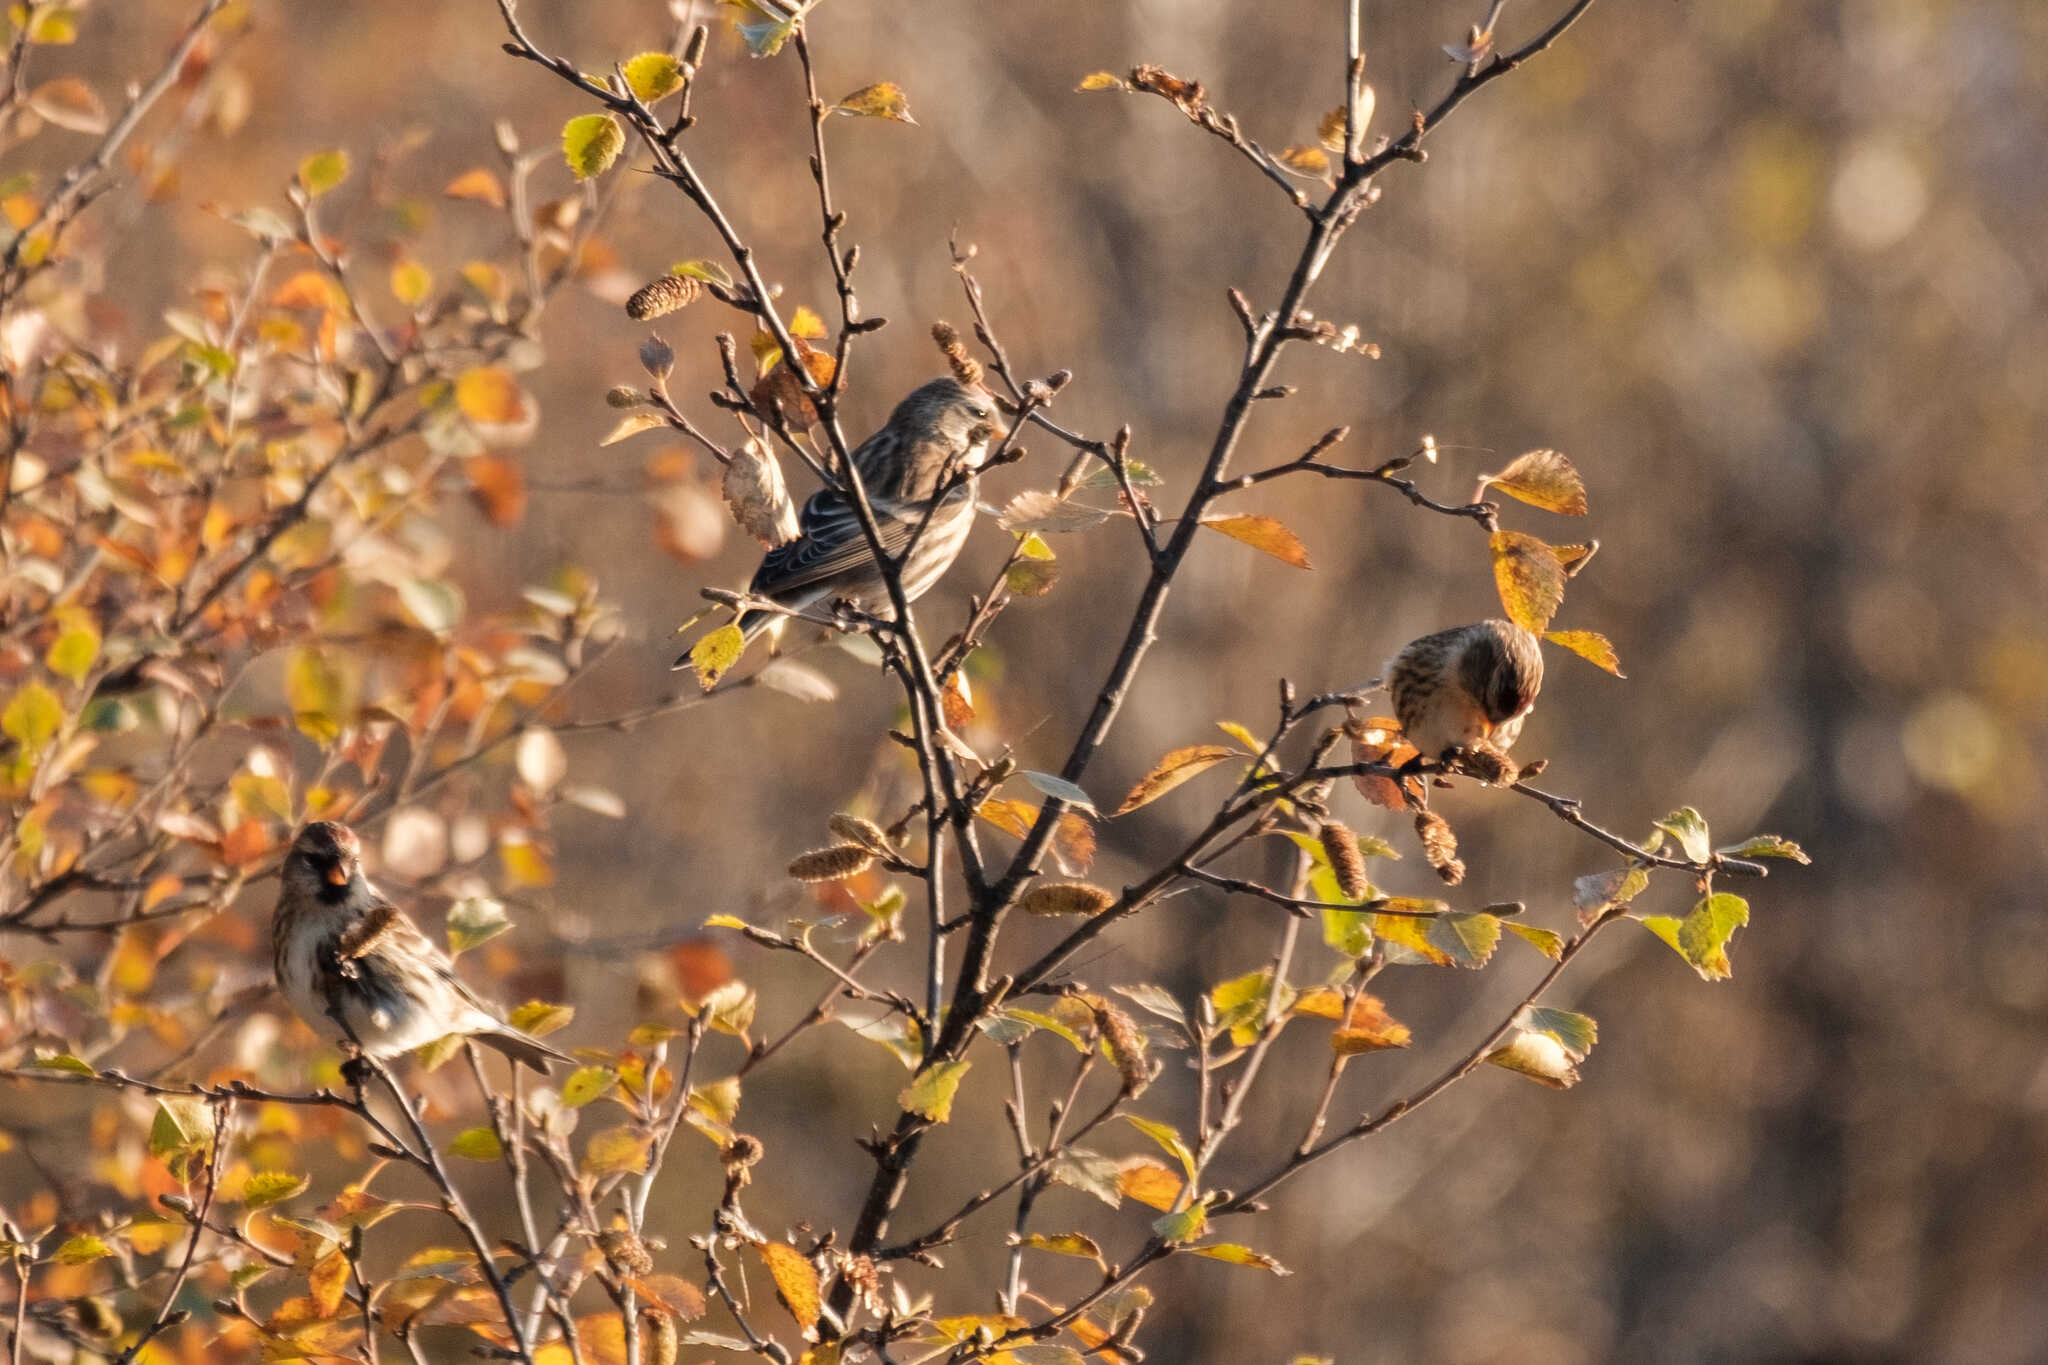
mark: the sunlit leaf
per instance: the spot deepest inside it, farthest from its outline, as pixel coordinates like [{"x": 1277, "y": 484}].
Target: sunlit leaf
[
  {"x": 538, "y": 1018},
  {"x": 1768, "y": 846},
  {"x": 1154, "y": 999},
  {"x": 1267, "y": 534},
  {"x": 272, "y": 1187},
  {"x": 619, "y": 1150},
  {"x": 1078, "y": 1244},
  {"x": 883, "y": 100},
  {"x": 1061, "y": 788},
  {"x": 591, "y": 143},
  {"x": 653, "y": 76},
  {"x": 1689, "y": 828},
  {"x": 1178, "y": 1229},
  {"x": 323, "y": 171},
  {"x": 1544, "y": 941},
  {"x": 411, "y": 282},
  {"x": 1233, "y": 1254},
  {"x": 1168, "y": 1138},
  {"x": 1169, "y": 772},
  {"x": 69, "y": 102},
  {"x": 83, "y": 1249},
  {"x": 476, "y": 1144},
  {"x": 474, "y": 920},
  {"x": 587, "y": 1083},
  {"x": 1530, "y": 577},
  {"x": 1589, "y": 645},
  {"x": 479, "y": 184},
  {"x": 1102, "y": 80},
  {"x": 317, "y": 691},
  {"x": 1576, "y": 1033},
  {"x": 1313, "y": 162},
  {"x": 32, "y": 717},
  {"x": 1541, "y": 478},
  {"x": 1539, "y": 1056},
  {"x": 796, "y": 1281},
  {"x": 1149, "y": 1181},
  {"x": 717, "y": 652},
  {"x": 489, "y": 396},
  {"x": 1701, "y": 938},
  {"x": 1367, "y": 1027},
  {"x": 930, "y": 1093}
]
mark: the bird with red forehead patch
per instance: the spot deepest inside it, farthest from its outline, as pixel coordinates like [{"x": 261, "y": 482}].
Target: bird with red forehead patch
[
  {"x": 1469, "y": 686},
  {"x": 341, "y": 949}
]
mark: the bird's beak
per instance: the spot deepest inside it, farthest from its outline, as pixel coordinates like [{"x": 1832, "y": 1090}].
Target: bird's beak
[{"x": 341, "y": 873}]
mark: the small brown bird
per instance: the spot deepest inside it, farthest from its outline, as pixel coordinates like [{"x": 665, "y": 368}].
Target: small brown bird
[
  {"x": 1466, "y": 686},
  {"x": 336, "y": 942},
  {"x": 942, "y": 430}
]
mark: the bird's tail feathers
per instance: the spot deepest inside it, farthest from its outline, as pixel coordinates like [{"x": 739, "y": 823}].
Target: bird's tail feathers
[{"x": 523, "y": 1048}]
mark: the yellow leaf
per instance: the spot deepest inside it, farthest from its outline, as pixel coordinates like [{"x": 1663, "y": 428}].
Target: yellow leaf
[
  {"x": 538, "y": 1018},
  {"x": 1330, "y": 130},
  {"x": 653, "y": 76},
  {"x": 796, "y": 1281},
  {"x": 806, "y": 323},
  {"x": 1013, "y": 818},
  {"x": 476, "y": 1144},
  {"x": 930, "y": 1094},
  {"x": 1309, "y": 161},
  {"x": 1589, "y": 645},
  {"x": 1172, "y": 770},
  {"x": 632, "y": 424},
  {"x": 1267, "y": 534},
  {"x": 1064, "y": 1244},
  {"x": 883, "y": 100},
  {"x": 1149, "y": 1182},
  {"x": 478, "y": 184},
  {"x": 411, "y": 283},
  {"x": 83, "y": 1249},
  {"x": 1102, "y": 80},
  {"x": 32, "y": 717},
  {"x": 1233, "y": 1254},
  {"x": 489, "y": 396},
  {"x": 1541, "y": 478},
  {"x": 322, "y": 171},
  {"x": 591, "y": 143},
  {"x": 715, "y": 653},
  {"x": 328, "y": 1280},
  {"x": 1530, "y": 577},
  {"x": 616, "y": 1150},
  {"x": 317, "y": 691}
]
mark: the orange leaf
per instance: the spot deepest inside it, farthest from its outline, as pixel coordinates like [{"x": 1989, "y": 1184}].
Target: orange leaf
[
  {"x": 796, "y": 1282},
  {"x": 1591, "y": 646},
  {"x": 490, "y": 396},
  {"x": 498, "y": 487},
  {"x": 1172, "y": 770},
  {"x": 1530, "y": 577},
  {"x": 1267, "y": 534},
  {"x": 1541, "y": 478},
  {"x": 480, "y": 185}
]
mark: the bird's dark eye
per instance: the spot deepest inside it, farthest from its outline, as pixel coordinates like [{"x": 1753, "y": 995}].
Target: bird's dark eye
[{"x": 978, "y": 412}]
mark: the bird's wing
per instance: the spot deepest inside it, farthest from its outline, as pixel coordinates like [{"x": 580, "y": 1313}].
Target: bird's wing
[
  {"x": 829, "y": 543},
  {"x": 396, "y": 944}
]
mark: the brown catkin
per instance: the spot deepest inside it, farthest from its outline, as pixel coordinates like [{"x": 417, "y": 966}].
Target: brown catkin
[
  {"x": 855, "y": 830},
  {"x": 965, "y": 367},
  {"x": 660, "y": 1341},
  {"x": 665, "y": 295},
  {"x": 1439, "y": 846},
  {"x": 625, "y": 1252},
  {"x": 1126, "y": 1044},
  {"x": 1345, "y": 859},
  {"x": 830, "y": 864},
  {"x": 1065, "y": 898},
  {"x": 1489, "y": 764}
]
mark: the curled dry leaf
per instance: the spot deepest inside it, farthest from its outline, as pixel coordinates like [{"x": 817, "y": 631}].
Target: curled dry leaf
[
  {"x": 1172, "y": 770},
  {"x": 759, "y": 498}
]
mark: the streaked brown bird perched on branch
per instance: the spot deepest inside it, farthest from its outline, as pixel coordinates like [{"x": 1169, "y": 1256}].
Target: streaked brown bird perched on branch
[
  {"x": 919, "y": 472},
  {"x": 1464, "y": 688},
  {"x": 336, "y": 942}
]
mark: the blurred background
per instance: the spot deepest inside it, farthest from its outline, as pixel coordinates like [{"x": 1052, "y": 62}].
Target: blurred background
[{"x": 1770, "y": 273}]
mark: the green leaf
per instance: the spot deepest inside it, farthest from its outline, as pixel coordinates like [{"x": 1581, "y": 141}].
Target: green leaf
[
  {"x": 1597, "y": 892},
  {"x": 766, "y": 39},
  {"x": 882, "y": 100},
  {"x": 83, "y": 1249},
  {"x": 183, "y": 1123},
  {"x": 272, "y": 1187},
  {"x": 434, "y": 603},
  {"x": 64, "y": 1061},
  {"x": 1348, "y": 931},
  {"x": 711, "y": 656},
  {"x": 1701, "y": 938},
  {"x": 1031, "y": 577},
  {"x": 1465, "y": 939},
  {"x": 930, "y": 1093},
  {"x": 587, "y": 1083},
  {"x": 32, "y": 718},
  {"x": 1186, "y": 1226},
  {"x": 1167, "y": 1137},
  {"x": 323, "y": 171},
  {"x": 591, "y": 143},
  {"x": 1036, "y": 1019},
  {"x": 1690, "y": 830},
  {"x": 654, "y": 76},
  {"x": 1768, "y": 846},
  {"x": 1234, "y": 1254},
  {"x": 1576, "y": 1033},
  {"x": 710, "y": 271},
  {"x": 473, "y": 920},
  {"x": 475, "y": 1144}
]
